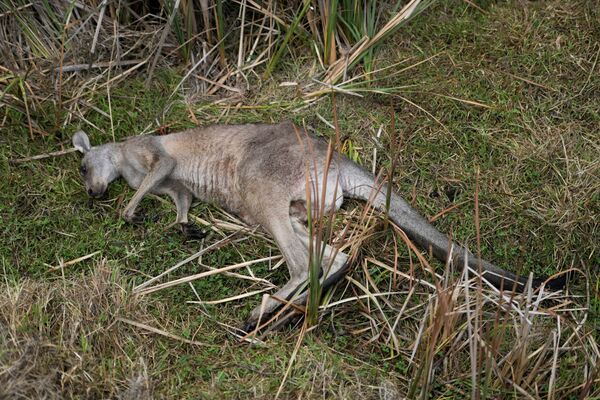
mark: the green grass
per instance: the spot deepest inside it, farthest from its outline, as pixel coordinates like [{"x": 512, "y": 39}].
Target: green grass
[{"x": 536, "y": 147}]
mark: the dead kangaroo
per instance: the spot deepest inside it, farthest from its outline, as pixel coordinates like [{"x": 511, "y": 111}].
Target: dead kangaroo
[{"x": 259, "y": 173}]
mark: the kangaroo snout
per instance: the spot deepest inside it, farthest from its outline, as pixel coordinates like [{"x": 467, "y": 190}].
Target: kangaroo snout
[{"x": 95, "y": 192}]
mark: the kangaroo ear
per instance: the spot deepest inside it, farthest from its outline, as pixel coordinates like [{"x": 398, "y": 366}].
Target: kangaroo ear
[{"x": 81, "y": 142}]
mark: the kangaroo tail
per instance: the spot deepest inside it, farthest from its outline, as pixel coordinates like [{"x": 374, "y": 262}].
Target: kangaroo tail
[{"x": 360, "y": 184}]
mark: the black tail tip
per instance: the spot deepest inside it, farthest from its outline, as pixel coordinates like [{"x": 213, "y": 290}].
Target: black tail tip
[{"x": 557, "y": 283}]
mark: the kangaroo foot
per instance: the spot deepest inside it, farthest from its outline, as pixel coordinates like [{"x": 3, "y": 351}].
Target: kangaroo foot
[{"x": 192, "y": 232}]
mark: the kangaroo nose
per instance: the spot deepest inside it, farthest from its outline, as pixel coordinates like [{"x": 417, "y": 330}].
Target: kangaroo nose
[{"x": 90, "y": 192}]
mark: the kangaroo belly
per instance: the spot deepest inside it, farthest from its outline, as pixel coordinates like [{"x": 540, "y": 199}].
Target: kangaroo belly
[{"x": 211, "y": 182}]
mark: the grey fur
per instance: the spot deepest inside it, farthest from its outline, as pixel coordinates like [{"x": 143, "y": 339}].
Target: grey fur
[{"x": 259, "y": 173}]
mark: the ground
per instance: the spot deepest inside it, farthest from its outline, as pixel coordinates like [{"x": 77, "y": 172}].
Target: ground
[{"x": 506, "y": 109}]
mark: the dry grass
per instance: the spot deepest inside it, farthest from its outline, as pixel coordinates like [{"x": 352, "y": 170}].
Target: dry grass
[
  {"x": 55, "y": 42},
  {"x": 88, "y": 337},
  {"x": 62, "y": 339}
]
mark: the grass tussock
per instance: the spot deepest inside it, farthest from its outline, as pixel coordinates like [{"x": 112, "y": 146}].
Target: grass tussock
[
  {"x": 89, "y": 337},
  {"x": 55, "y": 40},
  {"x": 62, "y": 339}
]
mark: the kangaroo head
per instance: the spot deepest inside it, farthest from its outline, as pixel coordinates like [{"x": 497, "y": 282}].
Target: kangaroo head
[{"x": 99, "y": 165}]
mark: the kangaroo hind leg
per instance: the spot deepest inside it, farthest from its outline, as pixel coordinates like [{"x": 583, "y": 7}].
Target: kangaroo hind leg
[
  {"x": 296, "y": 257},
  {"x": 287, "y": 225},
  {"x": 333, "y": 262}
]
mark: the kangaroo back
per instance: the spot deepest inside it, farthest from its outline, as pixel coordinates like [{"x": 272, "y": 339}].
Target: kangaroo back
[{"x": 360, "y": 184}]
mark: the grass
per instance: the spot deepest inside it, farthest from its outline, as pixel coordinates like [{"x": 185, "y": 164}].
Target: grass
[{"x": 534, "y": 140}]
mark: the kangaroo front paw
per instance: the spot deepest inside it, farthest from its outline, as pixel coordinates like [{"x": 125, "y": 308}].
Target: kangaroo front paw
[
  {"x": 135, "y": 218},
  {"x": 140, "y": 216},
  {"x": 191, "y": 231}
]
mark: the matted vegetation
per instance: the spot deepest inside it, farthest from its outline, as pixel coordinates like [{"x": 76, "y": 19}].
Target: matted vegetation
[{"x": 496, "y": 140}]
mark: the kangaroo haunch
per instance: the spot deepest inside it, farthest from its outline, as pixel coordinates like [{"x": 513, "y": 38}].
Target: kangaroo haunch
[{"x": 259, "y": 172}]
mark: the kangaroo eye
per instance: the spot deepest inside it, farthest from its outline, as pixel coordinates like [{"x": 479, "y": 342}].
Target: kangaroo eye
[{"x": 83, "y": 170}]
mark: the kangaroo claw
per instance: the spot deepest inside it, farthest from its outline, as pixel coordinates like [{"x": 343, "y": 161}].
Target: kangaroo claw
[
  {"x": 140, "y": 217},
  {"x": 192, "y": 232},
  {"x": 136, "y": 219}
]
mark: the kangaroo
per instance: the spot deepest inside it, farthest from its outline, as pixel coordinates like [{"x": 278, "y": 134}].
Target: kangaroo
[{"x": 259, "y": 172}]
